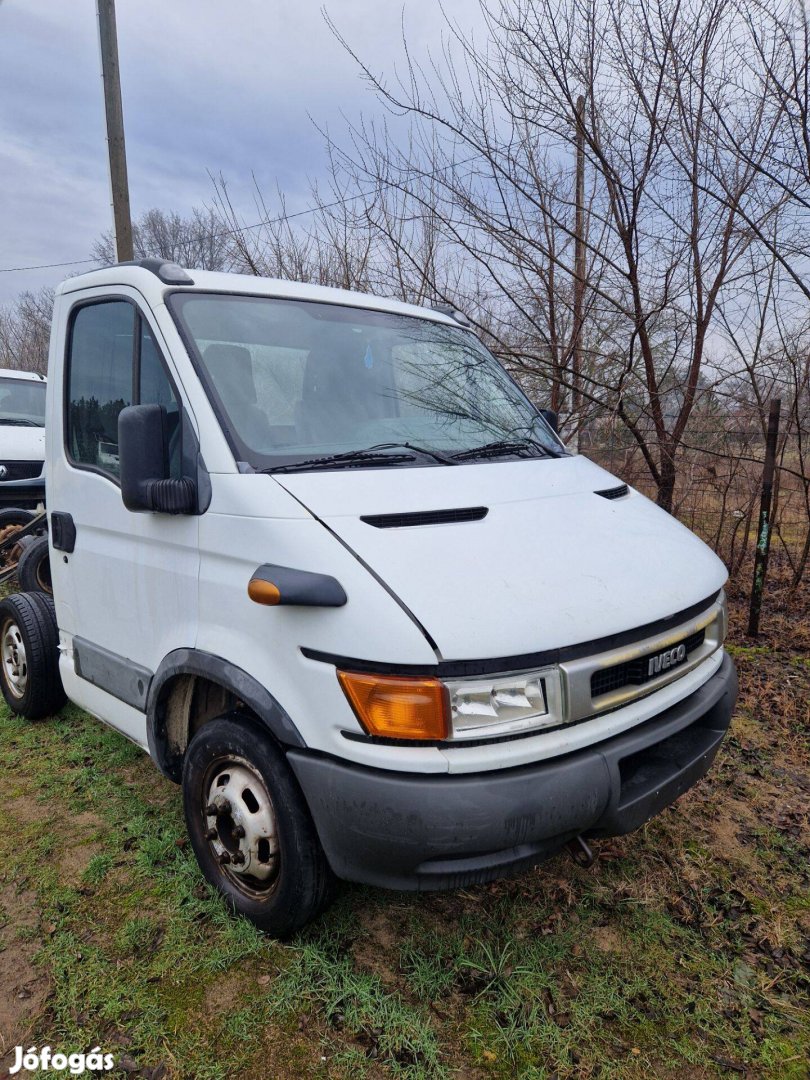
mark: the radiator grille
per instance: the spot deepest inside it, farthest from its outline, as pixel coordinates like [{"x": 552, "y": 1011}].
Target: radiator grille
[
  {"x": 21, "y": 470},
  {"x": 635, "y": 672}
]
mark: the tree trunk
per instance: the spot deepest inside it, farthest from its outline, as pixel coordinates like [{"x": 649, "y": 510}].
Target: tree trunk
[{"x": 666, "y": 480}]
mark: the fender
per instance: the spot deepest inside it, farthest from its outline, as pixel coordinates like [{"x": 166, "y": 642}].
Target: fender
[{"x": 258, "y": 698}]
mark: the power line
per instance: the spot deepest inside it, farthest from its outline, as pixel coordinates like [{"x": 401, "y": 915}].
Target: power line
[
  {"x": 242, "y": 228},
  {"x": 222, "y": 232},
  {"x": 43, "y": 266}
]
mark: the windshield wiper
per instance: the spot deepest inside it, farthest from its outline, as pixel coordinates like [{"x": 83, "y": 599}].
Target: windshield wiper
[
  {"x": 437, "y": 455},
  {"x": 16, "y": 421},
  {"x": 364, "y": 456},
  {"x": 526, "y": 447},
  {"x": 351, "y": 458}
]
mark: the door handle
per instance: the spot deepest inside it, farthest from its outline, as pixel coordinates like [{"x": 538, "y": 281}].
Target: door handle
[{"x": 63, "y": 531}]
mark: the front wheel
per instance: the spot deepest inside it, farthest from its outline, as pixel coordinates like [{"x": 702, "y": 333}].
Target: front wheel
[{"x": 250, "y": 827}]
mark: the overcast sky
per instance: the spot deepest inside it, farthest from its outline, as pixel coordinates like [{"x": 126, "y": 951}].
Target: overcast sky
[{"x": 206, "y": 85}]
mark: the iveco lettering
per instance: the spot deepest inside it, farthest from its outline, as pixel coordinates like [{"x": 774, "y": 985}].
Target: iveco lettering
[{"x": 321, "y": 557}]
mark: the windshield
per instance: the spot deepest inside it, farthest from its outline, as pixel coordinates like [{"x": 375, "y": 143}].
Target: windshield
[
  {"x": 22, "y": 401},
  {"x": 300, "y": 382}
]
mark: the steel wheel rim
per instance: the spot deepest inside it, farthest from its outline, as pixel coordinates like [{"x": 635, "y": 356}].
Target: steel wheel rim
[
  {"x": 43, "y": 575},
  {"x": 240, "y": 826},
  {"x": 15, "y": 662}
]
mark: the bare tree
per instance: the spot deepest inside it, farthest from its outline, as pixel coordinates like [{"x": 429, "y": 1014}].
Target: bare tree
[
  {"x": 25, "y": 329},
  {"x": 197, "y": 241},
  {"x": 331, "y": 248},
  {"x": 677, "y": 189}
]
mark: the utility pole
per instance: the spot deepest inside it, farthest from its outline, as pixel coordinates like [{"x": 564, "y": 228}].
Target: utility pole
[
  {"x": 110, "y": 73},
  {"x": 579, "y": 269},
  {"x": 765, "y": 523}
]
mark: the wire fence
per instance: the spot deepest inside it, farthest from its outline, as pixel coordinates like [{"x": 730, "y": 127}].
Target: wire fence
[{"x": 717, "y": 494}]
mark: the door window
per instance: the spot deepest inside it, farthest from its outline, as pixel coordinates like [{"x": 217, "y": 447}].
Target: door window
[
  {"x": 113, "y": 362},
  {"x": 155, "y": 389},
  {"x": 99, "y": 382}
]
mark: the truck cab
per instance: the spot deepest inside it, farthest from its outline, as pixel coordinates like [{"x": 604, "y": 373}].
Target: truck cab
[
  {"x": 318, "y": 554},
  {"x": 22, "y": 438}
]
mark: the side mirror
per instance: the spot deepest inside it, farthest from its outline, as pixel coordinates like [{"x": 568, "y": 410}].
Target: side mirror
[
  {"x": 552, "y": 419},
  {"x": 143, "y": 453}
]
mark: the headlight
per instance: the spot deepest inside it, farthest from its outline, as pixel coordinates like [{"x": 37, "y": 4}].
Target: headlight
[
  {"x": 483, "y": 708},
  {"x": 400, "y": 707}
]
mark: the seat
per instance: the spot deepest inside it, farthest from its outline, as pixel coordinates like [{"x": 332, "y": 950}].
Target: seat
[
  {"x": 230, "y": 368},
  {"x": 340, "y": 392}
]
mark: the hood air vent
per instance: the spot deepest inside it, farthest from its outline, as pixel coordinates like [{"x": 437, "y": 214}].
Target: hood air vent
[
  {"x": 426, "y": 517},
  {"x": 614, "y": 492}
]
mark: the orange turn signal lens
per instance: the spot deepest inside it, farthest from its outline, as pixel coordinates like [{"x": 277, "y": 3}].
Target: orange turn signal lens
[
  {"x": 263, "y": 592},
  {"x": 398, "y": 707}
]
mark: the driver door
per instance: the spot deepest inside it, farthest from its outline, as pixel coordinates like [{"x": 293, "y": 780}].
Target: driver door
[{"x": 127, "y": 592}]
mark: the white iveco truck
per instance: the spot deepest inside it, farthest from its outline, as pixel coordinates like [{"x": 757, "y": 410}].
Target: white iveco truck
[{"x": 321, "y": 557}]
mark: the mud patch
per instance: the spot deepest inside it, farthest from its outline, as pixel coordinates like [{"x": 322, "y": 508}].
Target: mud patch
[
  {"x": 377, "y": 949},
  {"x": 73, "y": 862},
  {"x": 227, "y": 992},
  {"x": 26, "y": 808},
  {"x": 607, "y": 939},
  {"x": 23, "y": 987},
  {"x": 81, "y": 838}
]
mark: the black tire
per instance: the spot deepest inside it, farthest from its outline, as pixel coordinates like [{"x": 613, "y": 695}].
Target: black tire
[
  {"x": 29, "y": 656},
  {"x": 297, "y": 882},
  {"x": 16, "y": 516},
  {"x": 34, "y": 567}
]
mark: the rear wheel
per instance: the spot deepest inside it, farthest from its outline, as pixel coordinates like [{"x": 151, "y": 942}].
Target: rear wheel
[
  {"x": 250, "y": 827},
  {"x": 13, "y": 521},
  {"x": 29, "y": 656},
  {"x": 15, "y": 516},
  {"x": 34, "y": 567}
]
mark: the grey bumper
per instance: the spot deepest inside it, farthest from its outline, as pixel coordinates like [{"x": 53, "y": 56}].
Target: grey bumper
[{"x": 409, "y": 831}]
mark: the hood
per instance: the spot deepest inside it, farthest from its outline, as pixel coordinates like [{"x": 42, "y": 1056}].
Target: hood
[
  {"x": 551, "y": 564},
  {"x": 21, "y": 443}
]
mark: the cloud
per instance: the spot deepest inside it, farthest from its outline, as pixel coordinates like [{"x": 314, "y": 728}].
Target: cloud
[{"x": 206, "y": 85}]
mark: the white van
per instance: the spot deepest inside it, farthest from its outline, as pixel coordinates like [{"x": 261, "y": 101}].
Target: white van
[
  {"x": 22, "y": 438},
  {"x": 321, "y": 557}
]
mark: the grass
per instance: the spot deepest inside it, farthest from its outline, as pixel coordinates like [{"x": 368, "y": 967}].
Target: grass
[{"x": 684, "y": 952}]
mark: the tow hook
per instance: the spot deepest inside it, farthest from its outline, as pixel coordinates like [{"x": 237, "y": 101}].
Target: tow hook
[{"x": 580, "y": 852}]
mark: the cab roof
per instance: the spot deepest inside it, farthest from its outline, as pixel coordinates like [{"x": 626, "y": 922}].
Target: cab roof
[
  {"x": 154, "y": 278},
  {"x": 11, "y": 373}
]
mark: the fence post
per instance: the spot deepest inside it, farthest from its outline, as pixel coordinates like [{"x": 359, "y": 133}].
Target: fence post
[{"x": 764, "y": 530}]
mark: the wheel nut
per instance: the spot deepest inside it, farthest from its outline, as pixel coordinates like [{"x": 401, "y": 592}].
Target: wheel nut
[
  {"x": 211, "y": 810},
  {"x": 212, "y": 834},
  {"x": 224, "y": 858},
  {"x": 238, "y": 858},
  {"x": 239, "y": 831}
]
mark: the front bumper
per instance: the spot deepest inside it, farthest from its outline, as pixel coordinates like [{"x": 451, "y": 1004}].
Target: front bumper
[
  {"x": 25, "y": 494},
  {"x": 408, "y": 831}
]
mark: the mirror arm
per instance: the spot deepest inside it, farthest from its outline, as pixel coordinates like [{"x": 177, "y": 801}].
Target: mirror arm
[{"x": 170, "y": 496}]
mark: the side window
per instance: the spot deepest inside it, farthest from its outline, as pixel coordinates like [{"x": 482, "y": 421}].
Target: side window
[
  {"x": 99, "y": 382},
  {"x": 155, "y": 389},
  {"x": 114, "y": 362}
]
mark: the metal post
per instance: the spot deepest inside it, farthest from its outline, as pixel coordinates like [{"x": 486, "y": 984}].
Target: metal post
[
  {"x": 764, "y": 530},
  {"x": 114, "y": 110},
  {"x": 579, "y": 268}
]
